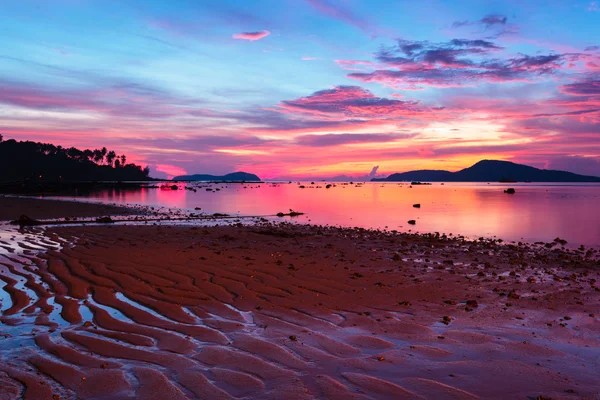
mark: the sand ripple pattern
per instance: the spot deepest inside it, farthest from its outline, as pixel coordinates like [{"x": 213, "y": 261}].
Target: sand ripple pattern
[{"x": 236, "y": 313}]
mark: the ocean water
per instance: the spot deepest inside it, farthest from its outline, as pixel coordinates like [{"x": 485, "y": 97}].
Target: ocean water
[{"x": 536, "y": 212}]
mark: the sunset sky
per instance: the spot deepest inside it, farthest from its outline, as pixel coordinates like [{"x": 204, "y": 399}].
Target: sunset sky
[{"x": 306, "y": 88}]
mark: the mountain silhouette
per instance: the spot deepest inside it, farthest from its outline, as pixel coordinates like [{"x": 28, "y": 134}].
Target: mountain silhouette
[
  {"x": 233, "y": 177},
  {"x": 491, "y": 171}
]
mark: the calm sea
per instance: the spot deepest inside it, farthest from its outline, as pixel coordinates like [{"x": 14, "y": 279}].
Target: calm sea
[{"x": 537, "y": 212}]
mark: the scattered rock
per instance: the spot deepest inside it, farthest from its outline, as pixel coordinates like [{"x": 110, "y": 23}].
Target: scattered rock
[
  {"x": 292, "y": 213},
  {"x": 417, "y": 205},
  {"x": 412, "y": 222},
  {"x": 24, "y": 220},
  {"x": 560, "y": 241},
  {"x": 104, "y": 220},
  {"x": 510, "y": 191},
  {"x": 472, "y": 303}
]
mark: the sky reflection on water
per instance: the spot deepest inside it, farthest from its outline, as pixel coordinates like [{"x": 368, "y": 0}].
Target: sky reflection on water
[{"x": 537, "y": 212}]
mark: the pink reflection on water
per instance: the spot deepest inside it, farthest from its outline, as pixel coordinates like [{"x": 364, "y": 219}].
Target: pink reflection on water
[{"x": 534, "y": 213}]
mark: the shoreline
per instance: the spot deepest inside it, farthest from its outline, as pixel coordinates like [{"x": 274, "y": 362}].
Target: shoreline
[
  {"x": 13, "y": 206},
  {"x": 68, "y": 211}
]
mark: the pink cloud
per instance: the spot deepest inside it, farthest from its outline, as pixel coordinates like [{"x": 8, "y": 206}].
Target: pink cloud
[
  {"x": 351, "y": 102},
  {"x": 252, "y": 36}
]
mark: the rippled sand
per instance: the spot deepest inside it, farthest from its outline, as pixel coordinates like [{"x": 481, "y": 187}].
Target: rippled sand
[{"x": 293, "y": 312}]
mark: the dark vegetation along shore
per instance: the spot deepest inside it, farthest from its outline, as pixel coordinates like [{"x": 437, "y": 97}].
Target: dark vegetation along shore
[
  {"x": 490, "y": 171},
  {"x": 272, "y": 311},
  {"x": 30, "y": 166}
]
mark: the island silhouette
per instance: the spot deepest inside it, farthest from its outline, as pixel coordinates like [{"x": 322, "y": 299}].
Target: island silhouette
[
  {"x": 232, "y": 177},
  {"x": 31, "y": 163},
  {"x": 490, "y": 171}
]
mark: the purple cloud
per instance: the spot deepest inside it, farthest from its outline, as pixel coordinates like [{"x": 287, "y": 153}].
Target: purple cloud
[
  {"x": 349, "y": 138},
  {"x": 488, "y": 21},
  {"x": 495, "y": 23},
  {"x": 459, "y": 62},
  {"x": 577, "y": 164},
  {"x": 584, "y": 88},
  {"x": 251, "y": 36}
]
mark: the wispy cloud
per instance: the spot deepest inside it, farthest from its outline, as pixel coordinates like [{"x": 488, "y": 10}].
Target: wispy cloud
[
  {"x": 488, "y": 21},
  {"x": 342, "y": 14},
  {"x": 348, "y": 138},
  {"x": 492, "y": 25}
]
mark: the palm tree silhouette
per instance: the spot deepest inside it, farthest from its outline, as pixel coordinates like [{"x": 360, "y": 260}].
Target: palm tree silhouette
[{"x": 110, "y": 157}]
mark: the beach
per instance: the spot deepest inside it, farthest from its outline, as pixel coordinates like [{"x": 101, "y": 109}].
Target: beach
[
  {"x": 11, "y": 207},
  {"x": 272, "y": 311}
]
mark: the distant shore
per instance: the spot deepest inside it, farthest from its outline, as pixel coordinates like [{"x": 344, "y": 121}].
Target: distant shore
[{"x": 277, "y": 310}]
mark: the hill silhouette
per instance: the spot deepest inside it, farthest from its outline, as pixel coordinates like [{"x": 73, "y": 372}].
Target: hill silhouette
[
  {"x": 42, "y": 163},
  {"x": 491, "y": 171},
  {"x": 232, "y": 177}
]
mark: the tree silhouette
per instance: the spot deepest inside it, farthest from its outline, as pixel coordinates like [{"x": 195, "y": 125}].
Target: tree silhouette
[
  {"x": 110, "y": 157},
  {"x": 34, "y": 162},
  {"x": 98, "y": 156}
]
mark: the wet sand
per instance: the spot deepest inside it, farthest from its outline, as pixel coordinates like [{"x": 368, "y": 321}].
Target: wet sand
[
  {"x": 13, "y": 207},
  {"x": 294, "y": 312}
]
